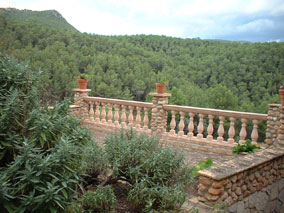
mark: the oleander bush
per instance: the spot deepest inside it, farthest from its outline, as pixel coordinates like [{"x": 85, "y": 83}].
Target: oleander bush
[
  {"x": 157, "y": 176},
  {"x": 44, "y": 151}
]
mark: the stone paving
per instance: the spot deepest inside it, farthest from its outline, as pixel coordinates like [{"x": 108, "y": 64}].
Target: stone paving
[{"x": 194, "y": 156}]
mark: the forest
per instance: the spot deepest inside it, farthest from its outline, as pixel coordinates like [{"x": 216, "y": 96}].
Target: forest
[{"x": 240, "y": 76}]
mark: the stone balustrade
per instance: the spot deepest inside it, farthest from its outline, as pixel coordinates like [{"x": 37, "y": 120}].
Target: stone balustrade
[
  {"x": 116, "y": 113},
  {"x": 179, "y": 126},
  {"x": 202, "y": 120}
]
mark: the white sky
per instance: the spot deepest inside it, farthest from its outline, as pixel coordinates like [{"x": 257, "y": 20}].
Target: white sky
[{"x": 252, "y": 20}]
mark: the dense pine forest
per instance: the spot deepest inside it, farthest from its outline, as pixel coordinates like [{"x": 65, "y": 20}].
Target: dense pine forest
[{"x": 240, "y": 76}]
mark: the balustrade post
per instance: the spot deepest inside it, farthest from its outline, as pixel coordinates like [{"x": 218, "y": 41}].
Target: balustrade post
[
  {"x": 173, "y": 123},
  {"x": 146, "y": 119},
  {"x": 200, "y": 127},
  {"x": 243, "y": 132},
  {"x": 159, "y": 115},
  {"x": 232, "y": 130},
  {"x": 91, "y": 112},
  {"x": 181, "y": 124},
  {"x": 97, "y": 113},
  {"x": 190, "y": 125},
  {"x": 138, "y": 118},
  {"x": 221, "y": 129},
  {"x": 130, "y": 117},
  {"x": 210, "y": 128},
  {"x": 83, "y": 111},
  {"x": 254, "y": 134},
  {"x": 109, "y": 118}
]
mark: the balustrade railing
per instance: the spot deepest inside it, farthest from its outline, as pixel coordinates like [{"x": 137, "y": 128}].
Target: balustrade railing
[
  {"x": 212, "y": 124},
  {"x": 119, "y": 113}
]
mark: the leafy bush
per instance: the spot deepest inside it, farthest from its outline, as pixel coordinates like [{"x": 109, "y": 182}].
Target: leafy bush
[
  {"x": 158, "y": 176},
  {"x": 203, "y": 164},
  {"x": 247, "y": 147},
  {"x": 43, "y": 150},
  {"x": 103, "y": 199}
]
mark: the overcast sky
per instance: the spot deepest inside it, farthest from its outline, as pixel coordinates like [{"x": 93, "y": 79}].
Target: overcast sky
[{"x": 250, "y": 20}]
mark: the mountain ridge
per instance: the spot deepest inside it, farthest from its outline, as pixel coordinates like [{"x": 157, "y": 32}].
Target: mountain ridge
[{"x": 50, "y": 18}]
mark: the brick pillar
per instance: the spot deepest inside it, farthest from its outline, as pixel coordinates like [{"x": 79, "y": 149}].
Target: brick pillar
[
  {"x": 273, "y": 123},
  {"x": 159, "y": 116},
  {"x": 280, "y": 135},
  {"x": 79, "y": 94}
]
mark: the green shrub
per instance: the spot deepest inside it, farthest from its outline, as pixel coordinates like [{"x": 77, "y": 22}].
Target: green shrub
[
  {"x": 44, "y": 152},
  {"x": 103, "y": 199},
  {"x": 247, "y": 147},
  {"x": 158, "y": 176},
  {"x": 42, "y": 182},
  {"x": 203, "y": 164}
]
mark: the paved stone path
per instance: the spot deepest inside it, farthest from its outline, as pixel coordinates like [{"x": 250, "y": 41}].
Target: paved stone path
[{"x": 194, "y": 156}]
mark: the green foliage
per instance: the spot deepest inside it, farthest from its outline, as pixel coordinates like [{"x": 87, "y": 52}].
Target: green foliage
[
  {"x": 247, "y": 147},
  {"x": 157, "y": 176},
  {"x": 103, "y": 199},
  {"x": 84, "y": 76},
  {"x": 45, "y": 149},
  {"x": 202, "y": 164},
  {"x": 42, "y": 182},
  {"x": 214, "y": 74}
]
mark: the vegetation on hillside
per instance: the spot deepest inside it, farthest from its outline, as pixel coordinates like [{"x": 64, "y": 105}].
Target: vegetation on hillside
[{"x": 206, "y": 73}]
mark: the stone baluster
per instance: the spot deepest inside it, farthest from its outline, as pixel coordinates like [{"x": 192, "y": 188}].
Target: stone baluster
[
  {"x": 190, "y": 125},
  {"x": 91, "y": 112},
  {"x": 232, "y": 130},
  {"x": 138, "y": 118},
  {"x": 173, "y": 123},
  {"x": 210, "y": 128},
  {"x": 116, "y": 115},
  {"x": 130, "y": 117},
  {"x": 103, "y": 113},
  {"x": 221, "y": 129},
  {"x": 254, "y": 134},
  {"x": 109, "y": 118},
  {"x": 97, "y": 113},
  {"x": 146, "y": 119},
  {"x": 123, "y": 116},
  {"x": 200, "y": 127},
  {"x": 243, "y": 132},
  {"x": 181, "y": 124}
]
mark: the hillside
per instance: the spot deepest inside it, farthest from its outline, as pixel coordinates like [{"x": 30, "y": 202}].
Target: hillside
[
  {"x": 206, "y": 73},
  {"x": 49, "y": 18}
]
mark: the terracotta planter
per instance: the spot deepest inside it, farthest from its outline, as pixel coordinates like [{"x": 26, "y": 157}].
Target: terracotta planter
[
  {"x": 82, "y": 83},
  {"x": 160, "y": 88},
  {"x": 281, "y": 93}
]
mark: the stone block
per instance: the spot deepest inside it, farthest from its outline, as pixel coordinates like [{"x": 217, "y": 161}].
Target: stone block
[
  {"x": 211, "y": 197},
  {"x": 261, "y": 201},
  {"x": 205, "y": 181},
  {"x": 219, "y": 184},
  {"x": 215, "y": 191},
  {"x": 202, "y": 188}
]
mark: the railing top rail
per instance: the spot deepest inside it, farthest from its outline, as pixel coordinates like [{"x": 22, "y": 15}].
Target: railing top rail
[
  {"x": 118, "y": 101},
  {"x": 225, "y": 113}
]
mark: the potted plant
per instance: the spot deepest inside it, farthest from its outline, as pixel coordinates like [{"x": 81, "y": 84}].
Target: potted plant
[
  {"x": 82, "y": 81},
  {"x": 245, "y": 148},
  {"x": 281, "y": 93},
  {"x": 161, "y": 84}
]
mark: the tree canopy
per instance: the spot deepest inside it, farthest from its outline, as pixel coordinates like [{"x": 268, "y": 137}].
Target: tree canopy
[{"x": 247, "y": 75}]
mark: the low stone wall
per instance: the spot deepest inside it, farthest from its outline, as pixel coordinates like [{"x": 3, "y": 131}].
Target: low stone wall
[
  {"x": 239, "y": 181},
  {"x": 268, "y": 199}
]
